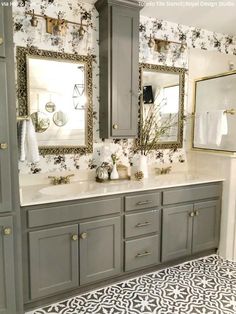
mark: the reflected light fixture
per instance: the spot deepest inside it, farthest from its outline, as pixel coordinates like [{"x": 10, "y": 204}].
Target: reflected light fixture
[
  {"x": 77, "y": 96},
  {"x": 163, "y": 45}
]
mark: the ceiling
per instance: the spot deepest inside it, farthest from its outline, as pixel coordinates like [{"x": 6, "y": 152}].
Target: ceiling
[{"x": 206, "y": 14}]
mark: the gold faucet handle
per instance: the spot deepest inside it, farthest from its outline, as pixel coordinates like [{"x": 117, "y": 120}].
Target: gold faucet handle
[
  {"x": 66, "y": 179},
  {"x": 54, "y": 180},
  {"x": 60, "y": 180}
]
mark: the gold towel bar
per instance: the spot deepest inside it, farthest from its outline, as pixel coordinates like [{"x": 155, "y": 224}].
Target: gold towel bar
[
  {"x": 227, "y": 111},
  {"x": 230, "y": 111}
]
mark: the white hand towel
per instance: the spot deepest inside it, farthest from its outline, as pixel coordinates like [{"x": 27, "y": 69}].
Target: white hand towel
[
  {"x": 22, "y": 140},
  {"x": 217, "y": 126},
  {"x": 28, "y": 143},
  {"x": 32, "y": 144},
  {"x": 200, "y": 129}
]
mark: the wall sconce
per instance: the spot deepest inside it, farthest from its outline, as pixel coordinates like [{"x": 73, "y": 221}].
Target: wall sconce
[
  {"x": 57, "y": 26},
  {"x": 162, "y": 45}
]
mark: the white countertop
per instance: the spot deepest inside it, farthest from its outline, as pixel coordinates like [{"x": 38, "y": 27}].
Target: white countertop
[{"x": 43, "y": 194}]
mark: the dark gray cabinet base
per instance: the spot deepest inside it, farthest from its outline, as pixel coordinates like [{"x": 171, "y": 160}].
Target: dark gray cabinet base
[
  {"x": 190, "y": 229},
  {"x": 100, "y": 251},
  {"x": 176, "y": 232},
  {"x": 206, "y": 226},
  {"x": 53, "y": 260},
  {"x": 7, "y": 280},
  {"x": 88, "y": 243}
]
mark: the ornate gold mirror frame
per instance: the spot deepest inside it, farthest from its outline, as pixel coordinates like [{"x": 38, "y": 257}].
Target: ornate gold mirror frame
[
  {"x": 22, "y": 55},
  {"x": 168, "y": 70}
]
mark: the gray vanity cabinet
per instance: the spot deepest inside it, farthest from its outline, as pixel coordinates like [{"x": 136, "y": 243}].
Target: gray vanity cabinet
[
  {"x": 100, "y": 249},
  {"x": 2, "y": 41},
  {"x": 176, "y": 232},
  {"x": 53, "y": 260},
  {"x": 5, "y": 177},
  {"x": 206, "y": 226},
  {"x": 5, "y": 184},
  {"x": 119, "y": 72},
  {"x": 7, "y": 283},
  {"x": 190, "y": 229}
]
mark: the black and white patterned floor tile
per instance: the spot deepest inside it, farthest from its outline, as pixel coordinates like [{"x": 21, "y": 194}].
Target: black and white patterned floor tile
[{"x": 202, "y": 286}]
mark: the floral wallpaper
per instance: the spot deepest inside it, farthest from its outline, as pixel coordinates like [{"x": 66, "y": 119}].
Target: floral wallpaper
[{"x": 25, "y": 35}]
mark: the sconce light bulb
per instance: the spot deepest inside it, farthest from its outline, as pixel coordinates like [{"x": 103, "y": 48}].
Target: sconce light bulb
[
  {"x": 57, "y": 30},
  {"x": 166, "y": 45},
  {"x": 151, "y": 42},
  {"x": 81, "y": 32},
  {"x": 183, "y": 46},
  {"x": 34, "y": 20}
]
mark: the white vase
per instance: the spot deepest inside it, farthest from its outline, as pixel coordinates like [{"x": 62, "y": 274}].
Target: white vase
[
  {"x": 114, "y": 173},
  {"x": 143, "y": 165}
]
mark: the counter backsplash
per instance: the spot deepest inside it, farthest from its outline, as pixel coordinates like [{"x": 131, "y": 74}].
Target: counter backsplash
[{"x": 25, "y": 35}]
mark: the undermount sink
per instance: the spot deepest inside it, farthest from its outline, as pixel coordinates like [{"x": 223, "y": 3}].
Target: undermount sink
[{"x": 67, "y": 189}]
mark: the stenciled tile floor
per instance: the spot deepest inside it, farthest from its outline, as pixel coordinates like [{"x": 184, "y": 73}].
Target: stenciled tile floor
[{"x": 202, "y": 286}]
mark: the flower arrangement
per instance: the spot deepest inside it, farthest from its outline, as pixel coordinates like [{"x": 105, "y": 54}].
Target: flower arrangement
[
  {"x": 114, "y": 158},
  {"x": 152, "y": 128}
]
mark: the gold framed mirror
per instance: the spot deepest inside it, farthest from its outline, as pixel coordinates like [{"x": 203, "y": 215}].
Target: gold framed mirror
[
  {"x": 55, "y": 92},
  {"x": 162, "y": 93}
]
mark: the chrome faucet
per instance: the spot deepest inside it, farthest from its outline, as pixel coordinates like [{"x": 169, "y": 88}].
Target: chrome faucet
[{"x": 61, "y": 179}]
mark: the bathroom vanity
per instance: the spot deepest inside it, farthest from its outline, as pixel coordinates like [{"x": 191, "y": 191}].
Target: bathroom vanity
[{"x": 73, "y": 244}]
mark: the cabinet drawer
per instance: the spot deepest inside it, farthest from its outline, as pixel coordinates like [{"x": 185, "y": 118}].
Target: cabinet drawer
[
  {"x": 142, "y": 201},
  {"x": 142, "y": 223},
  {"x": 142, "y": 252},
  {"x": 191, "y": 194},
  {"x": 52, "y": 215}
]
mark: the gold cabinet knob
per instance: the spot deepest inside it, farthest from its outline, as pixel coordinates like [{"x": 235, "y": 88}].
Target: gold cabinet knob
[
  {"x": 196, "y": 213},
  {"x": 83, "y": 235},
  {"x": 7, "y": 231},
  {"x": 115, "y": 126},
  {"x": 74, "y": 237},
  {"x": 1, "y": 40},
  {"x": 191, "y": 214},
  {"x": 3, "y": 146}
]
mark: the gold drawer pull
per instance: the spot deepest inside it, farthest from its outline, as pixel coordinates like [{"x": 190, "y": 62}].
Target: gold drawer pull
[
  {"x": 144, "y": 224},
  {"x": 115, "y": 126},
  {"x": 196, "y": 213},
  {"x": 7, "y": 231},
  {"x": 144, "y": 203},
  {"x": 3, "y": 146},
  {"x": 146, "y": 253},
  {"x": 74, "y": 237},
  {"x": 191, "y": 214},
  {"x": 1, "y": 41},
  {"x": 83, "y": 235}
]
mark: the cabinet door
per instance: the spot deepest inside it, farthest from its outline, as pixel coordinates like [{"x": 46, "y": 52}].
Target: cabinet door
[
  {"x": 7, "y": 283},
  {"x": 53, "y": 260},
  {"x": 100, "y": 249},
  {"x": 5, "y": 185},
  {"x": 2, "y": 41},
  {"x": 206, "y": 226},
  {"x": 177, "y": 232},
  {"x": 125, "y": 45}
]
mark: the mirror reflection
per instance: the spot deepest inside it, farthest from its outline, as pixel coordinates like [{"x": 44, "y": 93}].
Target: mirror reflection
[
  {"x": 47, "y": 92},
  {"x": 163, "y": 93},
  {"x": 40, "y": 121},
  {"x": 214, "y": 120},
  {"x": 60, "y": 118},
  {"x": 58, "y": 89}
]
